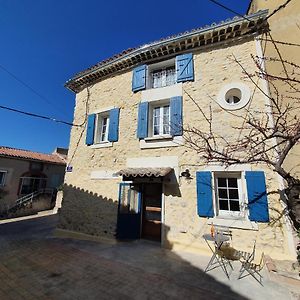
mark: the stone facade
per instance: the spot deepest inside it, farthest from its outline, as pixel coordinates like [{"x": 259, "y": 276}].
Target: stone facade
[{"x": 90, "y": 205}]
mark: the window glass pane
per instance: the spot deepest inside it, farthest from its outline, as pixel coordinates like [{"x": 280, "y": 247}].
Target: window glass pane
[
  {"x": 233, "y": 194},
  {"x": 156, "y": 130},
  {"x": 129, "y": 200},
  {"x": 124, "y": 205},
  {"x": 166, "y": 119},
  {"x": 223, "y": 193},
  {"x": 2, "y": 174},
  {"x": 103, "y": 129},
  {"x": 222, "y": 182},
  {"x": 234, "y": 205},
  {"x": 133, "y": 201},
  {"x": 232, "y": 182},
  {"x": 223, "y": 204}
]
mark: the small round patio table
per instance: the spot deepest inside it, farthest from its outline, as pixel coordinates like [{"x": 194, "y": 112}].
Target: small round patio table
[{"x": 217, "y": 259}]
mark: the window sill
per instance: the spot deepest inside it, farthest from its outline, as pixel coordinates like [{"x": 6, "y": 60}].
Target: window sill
[
  {"x": 233, "y": 223},
  {"x": 102, "y": 145},
  {"x": 159, "y": 137},
  {"x": 161, "y": 142}
]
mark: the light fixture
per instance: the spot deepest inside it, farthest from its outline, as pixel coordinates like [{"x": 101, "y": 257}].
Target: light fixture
[{"x": 186, "y": 174}]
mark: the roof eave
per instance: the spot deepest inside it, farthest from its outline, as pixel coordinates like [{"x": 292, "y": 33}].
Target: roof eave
[{"x": 213, "y": 34}]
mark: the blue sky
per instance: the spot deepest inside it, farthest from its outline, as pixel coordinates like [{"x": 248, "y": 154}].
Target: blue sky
[{"x": 43, "y": 43}]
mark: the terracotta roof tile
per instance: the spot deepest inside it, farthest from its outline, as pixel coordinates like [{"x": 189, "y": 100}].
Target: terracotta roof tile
[{"x": 30, "y": 155}]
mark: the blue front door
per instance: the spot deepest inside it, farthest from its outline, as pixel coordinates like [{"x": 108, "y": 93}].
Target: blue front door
[{"x": 129, "y": 212}]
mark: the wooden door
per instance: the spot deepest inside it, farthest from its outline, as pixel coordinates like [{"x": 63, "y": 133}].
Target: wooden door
[{"x": 151, "y": 218}]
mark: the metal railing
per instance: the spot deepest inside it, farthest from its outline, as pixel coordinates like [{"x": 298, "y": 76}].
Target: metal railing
[
  {"x": 30, "y": 197},
  {"x": 163, "y": 78}
]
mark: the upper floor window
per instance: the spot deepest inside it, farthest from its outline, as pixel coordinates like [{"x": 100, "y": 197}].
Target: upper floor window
[
  {"x": 2, "y": 177},
  {"x": 161, "y": 120},
  {"x": 165, "y": 73},
  {"x": 103, "y": 127},
  {"x": 163, "y": 77}
]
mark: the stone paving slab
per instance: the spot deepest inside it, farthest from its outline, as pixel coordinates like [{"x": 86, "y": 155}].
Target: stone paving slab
[{"x": 36, "y": 265}]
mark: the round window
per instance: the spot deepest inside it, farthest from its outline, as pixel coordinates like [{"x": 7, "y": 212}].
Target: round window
[{"x": 234, "y": 96}]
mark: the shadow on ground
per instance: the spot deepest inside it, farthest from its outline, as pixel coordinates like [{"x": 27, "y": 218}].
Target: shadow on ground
[{"x": 37, "y": 265}]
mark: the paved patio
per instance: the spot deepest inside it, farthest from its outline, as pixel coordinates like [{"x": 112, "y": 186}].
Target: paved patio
[{"x": 36, "y": 265}]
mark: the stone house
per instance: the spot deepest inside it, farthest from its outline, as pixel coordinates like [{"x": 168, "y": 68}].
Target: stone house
[
  {"x": 23, "y": 172},
  {"x": 130, "y": 173}
]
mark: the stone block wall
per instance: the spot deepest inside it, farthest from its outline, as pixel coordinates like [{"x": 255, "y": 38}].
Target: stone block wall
[{"x": 90, "y": 205}]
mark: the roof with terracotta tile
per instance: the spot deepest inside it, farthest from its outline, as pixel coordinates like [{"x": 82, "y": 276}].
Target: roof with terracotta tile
[{"x": 30, "y": 155}]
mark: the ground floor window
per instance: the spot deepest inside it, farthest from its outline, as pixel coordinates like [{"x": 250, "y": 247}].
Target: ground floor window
[
  {"x": 102, "y": 127},
  {"x": 228, "y": 194},
  {"x": 31, "y": 184},
  {"x": 2, "y": 177}
]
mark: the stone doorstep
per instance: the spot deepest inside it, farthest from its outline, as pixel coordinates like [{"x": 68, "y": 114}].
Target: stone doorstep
[
  {"x": 64, "y": 233},
  {"x": 274, "y": 276}
]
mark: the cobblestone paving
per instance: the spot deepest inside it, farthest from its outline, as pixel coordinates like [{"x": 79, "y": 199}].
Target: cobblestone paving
[{"x": 35, "y": 265}]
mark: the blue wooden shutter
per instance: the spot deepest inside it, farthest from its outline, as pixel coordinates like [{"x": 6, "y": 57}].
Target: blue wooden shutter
[
  {"x": 257, "y": 196},
  {"x": 139, "y": 78},
  {"x": 184, "y": 67},
  {"x": 142, "y": 130},
  {"x": 204, "y": 194},
  {"x": 90, "y": 129},
  {"x": 176, "y": 116},
  {"x": 113, "y": 133}
]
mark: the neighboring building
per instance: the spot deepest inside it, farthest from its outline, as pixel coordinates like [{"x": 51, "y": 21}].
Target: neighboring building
[
  {"x": 285, "y": 31},
  {"x": 284, "y": 27},
  {"x": 23, "y": 172},
  {"x": 130, "y": 172}
]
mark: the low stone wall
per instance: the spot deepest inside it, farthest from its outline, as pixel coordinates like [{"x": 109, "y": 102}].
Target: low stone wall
[{"x": 87, "y": 212}]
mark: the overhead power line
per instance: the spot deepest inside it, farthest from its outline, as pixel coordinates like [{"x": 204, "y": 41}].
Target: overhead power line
[
  {"x": 278, "y": 9},
  {"x": 244, "y": 17},
  {"x": 30, "y": 88},
  {"x": 38, "y": 116},
  {"x": 229, "y": 9}
]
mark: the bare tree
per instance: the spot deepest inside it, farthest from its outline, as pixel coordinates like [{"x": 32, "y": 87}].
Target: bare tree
[{"x": 264, "y": 137}]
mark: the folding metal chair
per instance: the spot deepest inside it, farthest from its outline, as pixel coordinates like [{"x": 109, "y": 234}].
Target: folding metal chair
[
  {"x": 247, "y": 256},
  {"x": 252, "y": 269},
  {"x": 223, "y": 230}
]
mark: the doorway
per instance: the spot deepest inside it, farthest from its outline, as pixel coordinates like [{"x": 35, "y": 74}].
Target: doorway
[{"x": 151, "y": 211}]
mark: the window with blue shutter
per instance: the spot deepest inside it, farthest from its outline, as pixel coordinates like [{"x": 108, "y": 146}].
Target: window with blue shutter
[
  {"x": 90, "y": 129},
  {"x": 205, "y": 206},
  {"x": 139, "y": 78},
  {"x": 142, "y": 130},
  {"x": 185, "y": 67},
  {"x": 176, "y": 116},
  {"x": 257, "y": 196},
  {"x": 113, "y": 133}
]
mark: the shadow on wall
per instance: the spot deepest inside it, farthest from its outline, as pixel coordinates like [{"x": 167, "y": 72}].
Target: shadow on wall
[{"x": 87, "y": 212}]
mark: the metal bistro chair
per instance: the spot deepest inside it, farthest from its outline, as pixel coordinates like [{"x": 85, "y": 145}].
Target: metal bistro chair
[
  {"x": 253, "y": 269},
  {"x": 247, "y": 256}
]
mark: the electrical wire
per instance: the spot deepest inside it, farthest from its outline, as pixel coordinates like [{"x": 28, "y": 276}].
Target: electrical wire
[
  {"x": 30, "y": 88},
  {"x": 38, "y": 116},
  {"x": 229, "y": 9}
]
